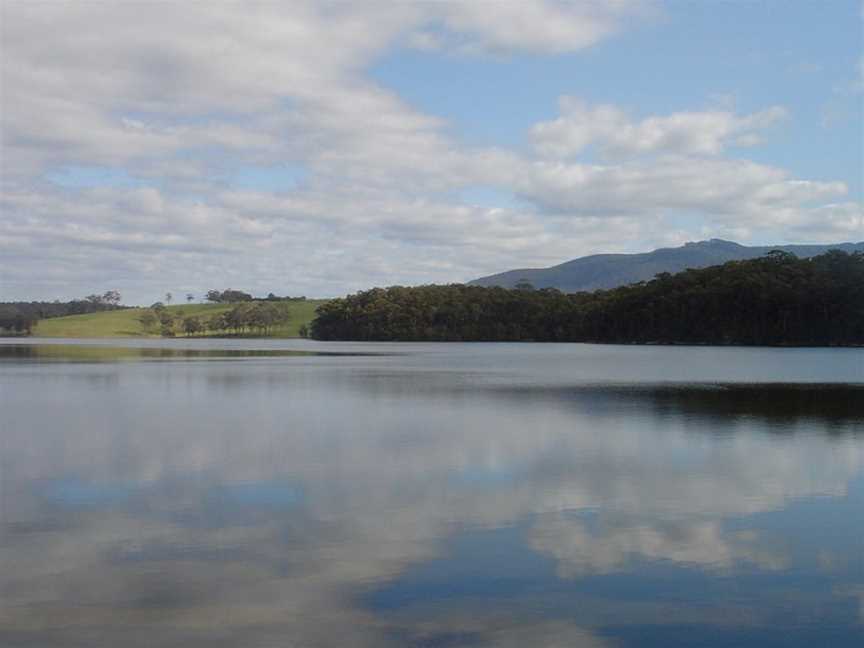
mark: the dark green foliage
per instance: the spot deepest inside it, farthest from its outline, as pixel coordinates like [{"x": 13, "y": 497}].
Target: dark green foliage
[
  {"x": 192, "y": 325},
  {"x": 774, "y": 300},
  {"x": 167, "y": 322},
  {"x": 148, "y": 320},
  {"x": 271, "y": 297},
  {"x": 16, "y": 321},
  {"x": 524, "y": 284},
  {"x": 258, "y": 318},
  {"x": 20, "y": 317},
  {"x": 228, "y": 296}
]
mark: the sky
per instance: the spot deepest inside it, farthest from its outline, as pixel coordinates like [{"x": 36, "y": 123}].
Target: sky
[{"x": 320, "y": 148}]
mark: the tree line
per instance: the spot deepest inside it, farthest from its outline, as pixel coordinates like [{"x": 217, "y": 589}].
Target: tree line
[
  {"x": 246, "y": 318},
  {"x": 777, "y": 299},
  {"x": 230, "y": 296},
  {"x": 20, "y": 317}
]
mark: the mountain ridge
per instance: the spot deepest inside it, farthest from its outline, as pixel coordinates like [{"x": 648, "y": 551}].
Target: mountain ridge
[{"x": 603, "y": 271}]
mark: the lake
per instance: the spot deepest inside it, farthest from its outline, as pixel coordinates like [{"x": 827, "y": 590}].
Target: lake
[{"x": 240, "y": 493}]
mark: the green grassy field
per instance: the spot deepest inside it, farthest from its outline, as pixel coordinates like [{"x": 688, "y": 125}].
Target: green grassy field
[{"x": 124, "y": 323}]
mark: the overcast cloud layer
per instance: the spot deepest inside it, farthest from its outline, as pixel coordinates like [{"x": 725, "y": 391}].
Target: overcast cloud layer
[{"x": 151, "y": 147}]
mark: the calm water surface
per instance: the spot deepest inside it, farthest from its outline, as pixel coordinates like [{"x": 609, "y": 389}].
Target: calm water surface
[{"x": 292, "y": 494}]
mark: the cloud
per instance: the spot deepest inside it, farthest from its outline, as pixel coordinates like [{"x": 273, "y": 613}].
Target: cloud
[
  {"x": 154, "y": 236},
  {"x": 616, "y": 135},
  {"x": 116, "y": 75},
  {"x": 726, "y": 190},
  {"x": 174, "y": 107},
  {"x": 618, "y": 544},
  {"x": 547, "y": 26},
  {"x": 373, "y": 500}
]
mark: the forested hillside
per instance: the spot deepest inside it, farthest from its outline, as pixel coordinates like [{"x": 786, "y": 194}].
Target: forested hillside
[
  {"x": 778, "y": 299},
  {"x": 605, "y": 271}
]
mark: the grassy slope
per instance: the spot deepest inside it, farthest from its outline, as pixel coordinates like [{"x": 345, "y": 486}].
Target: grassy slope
[{"x": 124, "y": 323}]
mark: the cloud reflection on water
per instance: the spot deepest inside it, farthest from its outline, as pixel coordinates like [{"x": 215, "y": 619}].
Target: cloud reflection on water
[{"x": 227, "y": 505}]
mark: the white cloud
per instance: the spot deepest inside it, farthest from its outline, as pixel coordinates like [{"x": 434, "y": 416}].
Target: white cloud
[
  {"x": 177, "y": 104},
  {"x": 617, "y": 543},
  {"x": 611, "y": 129},
  {"x": 547, "y": 26},
  {"x": 613, "y": 548},
  {"x": 728, "y": 190},
  {"x": 377, "y": 499}
]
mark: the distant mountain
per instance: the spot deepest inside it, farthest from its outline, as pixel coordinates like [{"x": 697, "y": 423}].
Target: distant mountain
[{"x": 611, "y": 270}]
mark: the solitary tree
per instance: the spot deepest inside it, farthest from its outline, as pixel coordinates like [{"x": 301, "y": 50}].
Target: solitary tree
[
  {"x": 166, "y": 321},
  {"x": 190, "y": 298},
  {"x": 524, "y": 285},
  {"x": 148, "y": 320},
  {"x": 168, "y": 297},
  {"x": 192, "y": 325}
]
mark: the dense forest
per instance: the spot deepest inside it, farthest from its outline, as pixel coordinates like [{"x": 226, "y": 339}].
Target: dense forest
[{"x": 777, "y": 299}]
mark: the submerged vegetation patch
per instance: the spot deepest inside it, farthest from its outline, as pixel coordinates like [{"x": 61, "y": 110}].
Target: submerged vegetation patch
[{"x": 100, "y": 353}]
